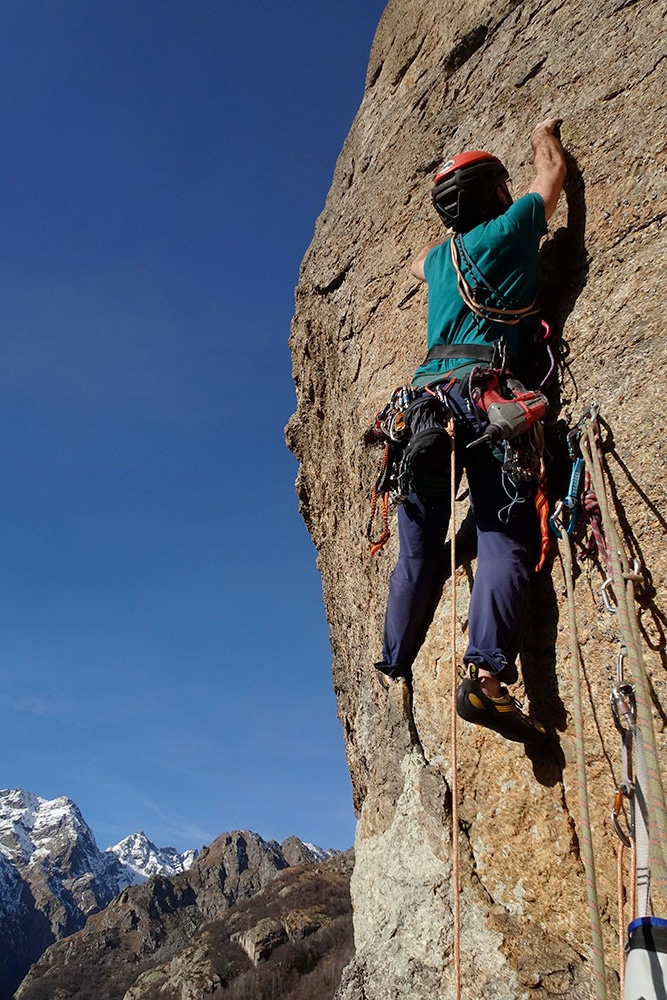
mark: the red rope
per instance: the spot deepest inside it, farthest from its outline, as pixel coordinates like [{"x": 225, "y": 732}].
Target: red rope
[
  {"x": 542, "y": 508},
  {"x": 386, "y": 533}
]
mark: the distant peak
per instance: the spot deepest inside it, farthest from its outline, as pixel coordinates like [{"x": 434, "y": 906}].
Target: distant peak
[{"x": 144, "y": 859}]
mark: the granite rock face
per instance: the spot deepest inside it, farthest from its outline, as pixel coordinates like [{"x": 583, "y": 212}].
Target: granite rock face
[{"x": 442, "y": 79}]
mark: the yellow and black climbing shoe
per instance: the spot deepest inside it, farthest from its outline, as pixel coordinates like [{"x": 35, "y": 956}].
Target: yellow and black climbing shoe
[{"x": 504, "y": 716}]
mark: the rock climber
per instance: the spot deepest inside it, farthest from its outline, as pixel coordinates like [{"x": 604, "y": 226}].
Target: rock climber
[{"x": 498, "y": 241}]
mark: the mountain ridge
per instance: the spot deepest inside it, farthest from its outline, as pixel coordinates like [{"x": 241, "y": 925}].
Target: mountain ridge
[
  {"x": 150, "y": 930},
  {"x": 53, "y": 877}
]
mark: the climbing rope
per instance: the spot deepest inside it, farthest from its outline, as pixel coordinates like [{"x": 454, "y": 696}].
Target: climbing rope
[
  {"x": 456, "y": 916},
  {"x": 630, "y": 703},
  {"x": 588, "y": 858},
  {"x": 620, "y": 894},
  {"x": 622, "y": 579},
  {"x": 509, "y": 317}
]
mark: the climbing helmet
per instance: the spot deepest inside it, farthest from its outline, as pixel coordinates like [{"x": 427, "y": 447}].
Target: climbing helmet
[{"x": 464, "y": 189}]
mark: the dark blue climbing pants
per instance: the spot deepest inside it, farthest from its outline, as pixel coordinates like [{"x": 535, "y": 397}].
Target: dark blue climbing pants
[{"x": 508, "y": 545}]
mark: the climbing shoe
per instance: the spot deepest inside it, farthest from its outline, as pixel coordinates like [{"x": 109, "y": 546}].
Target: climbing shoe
[
  {"x": 388, "y": 676},
  {"x": 503, "y": 716},
  {"x": 388, "y": 681},
  {"x": 384, "y": 680}
]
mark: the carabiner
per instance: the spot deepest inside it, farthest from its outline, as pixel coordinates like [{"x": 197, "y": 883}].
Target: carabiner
[
  {"x": 571, "y": 501},
  {"x": 572, "y": 520},
  {"x": 605, "y": 596},
  {"x": 620, "y": 661},
  {"x": 552, "y": 519},
  {"x": 622, "y": 699},
  {"x": 636, "y": 573},
  {"x": 625, "y": 790}
]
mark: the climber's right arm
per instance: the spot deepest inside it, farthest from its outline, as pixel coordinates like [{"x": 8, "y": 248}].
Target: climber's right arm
[
  {"x": 548, "y": 163},
  {"x": 417, "y": 265}
]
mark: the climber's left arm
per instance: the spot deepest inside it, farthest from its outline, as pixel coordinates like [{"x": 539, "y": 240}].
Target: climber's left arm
[{"x": 417, "y": 265}]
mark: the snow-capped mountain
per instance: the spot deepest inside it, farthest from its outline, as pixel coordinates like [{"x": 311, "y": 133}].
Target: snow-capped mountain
[
  {"x": 53, "y": 876},
  {"x": 28, "y": 825},
  {"x": 54, "y": 850},
  {"x": 52, "y": 835},
  {"x": 141, "y": 858},
  {"x": 319, "y": 853}
]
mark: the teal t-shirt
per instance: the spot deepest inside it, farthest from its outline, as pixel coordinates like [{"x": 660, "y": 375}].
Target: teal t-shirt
[{"x": 505, "y": 250}]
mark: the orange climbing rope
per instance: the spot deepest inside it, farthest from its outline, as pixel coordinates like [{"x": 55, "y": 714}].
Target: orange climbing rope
[
  {"x": 542, "y": 510},
  {"x": 456, "y": 916}
]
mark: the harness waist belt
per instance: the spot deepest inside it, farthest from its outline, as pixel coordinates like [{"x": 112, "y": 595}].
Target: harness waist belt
[{"x": 475, "y": 352}]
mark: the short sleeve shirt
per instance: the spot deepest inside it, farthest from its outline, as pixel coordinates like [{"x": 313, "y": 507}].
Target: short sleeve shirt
[{"x": 505, "y": 251}]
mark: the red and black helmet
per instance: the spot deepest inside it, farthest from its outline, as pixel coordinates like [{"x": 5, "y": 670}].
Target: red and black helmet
[{"x": 464, "y": 190}]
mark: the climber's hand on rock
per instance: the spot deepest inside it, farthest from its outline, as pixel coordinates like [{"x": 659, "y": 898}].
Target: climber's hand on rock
[{"x": 549, "y": 127}]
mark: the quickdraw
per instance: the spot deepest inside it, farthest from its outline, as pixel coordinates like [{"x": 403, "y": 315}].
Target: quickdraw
[
  {"x": 624, "y": 713},
  {"x": 569, "y": 505}
]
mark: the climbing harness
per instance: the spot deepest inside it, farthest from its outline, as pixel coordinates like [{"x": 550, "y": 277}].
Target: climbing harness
[
  {"x": 640, "y": 789},
  {"x": 413, "y": 427}
]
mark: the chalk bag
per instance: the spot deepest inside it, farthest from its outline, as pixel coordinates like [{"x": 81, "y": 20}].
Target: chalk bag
[{"x": 428, "y": 448}]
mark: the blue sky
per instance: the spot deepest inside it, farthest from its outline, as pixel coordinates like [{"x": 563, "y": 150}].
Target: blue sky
[{"x": 164, "y": 655}]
